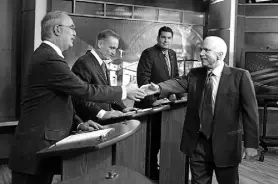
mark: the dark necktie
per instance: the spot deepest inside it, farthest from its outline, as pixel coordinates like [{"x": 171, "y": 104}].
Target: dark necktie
[
  {"x": 104, "y": 69},
  {"x": 168, "y": 62},
  {"x": 207, "y": 107}
]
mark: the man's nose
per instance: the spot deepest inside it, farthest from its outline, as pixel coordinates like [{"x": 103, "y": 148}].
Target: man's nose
[
  {"x": 202, "y": 52},
  {"x": 74, "y": 33}
]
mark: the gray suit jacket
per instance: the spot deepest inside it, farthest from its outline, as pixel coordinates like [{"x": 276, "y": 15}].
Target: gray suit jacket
[
  {"x": 46, "y": 108},
  {"x": 235, "y": 106}
]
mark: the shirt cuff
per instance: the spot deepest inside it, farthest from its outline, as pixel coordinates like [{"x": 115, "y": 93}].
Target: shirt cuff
[
  {"x": 124, "y": 94},
  {"x": 101, "y": 113}
]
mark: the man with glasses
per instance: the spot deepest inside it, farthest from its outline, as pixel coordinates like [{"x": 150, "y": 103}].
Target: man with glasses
[
  {"x": 92, "y": 69},
  {"x": 220, "y": 100},
  {"x": 47, "y": 113}
]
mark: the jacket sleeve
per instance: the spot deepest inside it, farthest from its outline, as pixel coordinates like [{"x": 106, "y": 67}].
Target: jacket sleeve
[
  {"x": 176, "y": 73},
  {"x": 250, "y": 115},
  {"x": 120, "y": 106},
  {"x": 61, "y": 79},
  {"x": 179, "y": 85}
]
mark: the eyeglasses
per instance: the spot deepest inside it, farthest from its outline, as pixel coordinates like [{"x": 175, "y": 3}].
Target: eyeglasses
[
  {"x": 205, "y": 49},
  {"x": 72, "y": 27}
]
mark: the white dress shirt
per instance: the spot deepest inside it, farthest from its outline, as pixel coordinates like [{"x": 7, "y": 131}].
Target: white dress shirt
[
  {"x": 215, "y": 81},
  {"x": 55, "y": 47}
]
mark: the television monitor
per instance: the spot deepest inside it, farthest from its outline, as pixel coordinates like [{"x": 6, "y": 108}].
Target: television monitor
[{"x": 263, "y": 67}]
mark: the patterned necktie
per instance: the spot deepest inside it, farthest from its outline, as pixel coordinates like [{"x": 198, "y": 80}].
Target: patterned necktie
[
  {"x": 104, "y": 69},
  {"x": 168, "y": 62},
  {"x": 207, "y": 107}
]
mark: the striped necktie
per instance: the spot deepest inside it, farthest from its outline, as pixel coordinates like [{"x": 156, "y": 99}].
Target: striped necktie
[
  {"x": 207, "y": 107},
  {"x": 104, "y": 69},
  {"x": 168, "y": 62}
]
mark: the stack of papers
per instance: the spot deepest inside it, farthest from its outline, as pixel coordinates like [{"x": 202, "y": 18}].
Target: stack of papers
[{"x": 86, "y": 136}]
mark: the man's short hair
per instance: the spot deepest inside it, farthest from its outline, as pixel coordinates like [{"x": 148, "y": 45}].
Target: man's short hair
[
  {"x": 107, "y": 33},
  {"x": 50, "y": 19},
  {"x": 165, "y": 29}
]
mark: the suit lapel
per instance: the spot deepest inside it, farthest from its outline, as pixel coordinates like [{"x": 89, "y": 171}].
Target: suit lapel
[
  {"x": 171, "y": 57},
  {"x": 98, "y": 67},
  {"x": 200, "y": 87},
  {"x": 162, "y": 60},
  {"x": 223, "y": 85}
]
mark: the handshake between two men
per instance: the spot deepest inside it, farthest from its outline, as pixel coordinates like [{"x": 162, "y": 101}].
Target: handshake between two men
[{"x": 132, "y": 93}]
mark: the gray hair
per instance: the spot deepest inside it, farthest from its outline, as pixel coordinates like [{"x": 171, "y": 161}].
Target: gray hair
[
  {"x": 107, "y": 33},
  {"x": 219, "y": 44},
  {"x": 50, "y": 19}
]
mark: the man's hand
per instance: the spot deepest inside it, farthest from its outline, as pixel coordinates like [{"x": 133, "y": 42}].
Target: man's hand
[
  {"x": 89, "y": 126},
  {"x": 183, "y": 98},
  {"x": 172, "y": 97},
  {"x": 150, "y": 89},
  {"x": 111, "y": 114},
  {"x": 128, "y": 109},
  {"x": 249, "y": 153},
  {"x": 133, "y": 92}
]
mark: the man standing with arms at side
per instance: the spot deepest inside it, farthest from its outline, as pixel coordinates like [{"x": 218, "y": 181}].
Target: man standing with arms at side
[
  {"x": 219, "y": 99},
  {"x": 157, "y": 64},
  {"x": 92, "y": 69},
  {"x": 47, "y": 114}
]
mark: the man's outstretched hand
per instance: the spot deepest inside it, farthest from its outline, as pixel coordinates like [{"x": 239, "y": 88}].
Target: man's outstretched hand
[
  {"x": 133, "y": 92},
  {"x": 150, "y": 89}
]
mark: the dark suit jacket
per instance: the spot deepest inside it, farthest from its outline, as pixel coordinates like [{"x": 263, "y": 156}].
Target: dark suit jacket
[
  {"x": 152, "y": 67},
  {"x": 88, "y": 69},
  {"x": 235, "y": 102},
  {"x": 46, "y": 108}
]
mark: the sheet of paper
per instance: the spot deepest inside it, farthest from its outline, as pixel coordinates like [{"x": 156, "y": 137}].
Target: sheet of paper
[{"x": 94, "y": 135}]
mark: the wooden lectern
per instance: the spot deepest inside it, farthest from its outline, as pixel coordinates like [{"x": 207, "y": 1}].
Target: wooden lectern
[
  {"x": 82, "y": 157},
  {"x": 110, "y": 175}
]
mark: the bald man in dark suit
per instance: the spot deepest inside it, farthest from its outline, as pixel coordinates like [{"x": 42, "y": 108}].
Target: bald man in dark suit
[{"x": 220, "y": 100}]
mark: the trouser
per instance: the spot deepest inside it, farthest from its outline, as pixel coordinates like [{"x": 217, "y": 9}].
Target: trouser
[
  {"x": 202, "y": 166},
  {"x": 23, "y": 178},
  {"x": 155, "y": 135}
]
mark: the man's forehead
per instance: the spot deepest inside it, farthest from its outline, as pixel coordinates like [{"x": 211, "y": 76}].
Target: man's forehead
[
  {"x": 209, "y": 44},
  {"x": 67, "y": 20},
  {"x": 165, "y": 33}
]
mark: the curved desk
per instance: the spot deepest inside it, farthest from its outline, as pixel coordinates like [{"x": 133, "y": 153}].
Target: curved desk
[
  {"x": 82, "y": 157},
  {"x": 174, "y": 166},
  {"x": 128, "y": 146}
]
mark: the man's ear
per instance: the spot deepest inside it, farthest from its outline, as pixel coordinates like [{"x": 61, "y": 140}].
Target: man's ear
[
  {"x": 100, "y": 43},
  {"x": 220, "y": 55},
  {"x": 57, "y": 30}
]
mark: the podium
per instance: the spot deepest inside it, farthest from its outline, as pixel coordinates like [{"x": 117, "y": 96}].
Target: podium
[
  {"x": 110, "y": 175},
  {"x": 80, "y": 158},
  {"x": 174, "y": 165}
]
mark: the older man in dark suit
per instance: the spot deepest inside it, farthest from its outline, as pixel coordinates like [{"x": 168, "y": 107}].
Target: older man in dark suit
[
  {"x": 47, "y": 114},
  {"x": 220, "y": 100},
  {"x": 92, "y": 69}
]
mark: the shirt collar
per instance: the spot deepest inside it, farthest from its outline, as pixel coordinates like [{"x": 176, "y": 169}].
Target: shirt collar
[
  {"x": 97, "y": 57},
  {"x": 165, "y": 52},
  {"x": 218, "y": 70},
  {"x": 55, "y": 47},
  {"x": 100, "y": 61}
]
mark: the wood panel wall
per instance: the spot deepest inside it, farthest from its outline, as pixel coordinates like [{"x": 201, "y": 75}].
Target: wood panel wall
[
  {"x": 191, "y": 5},
  {"x": 10, "y": 22},
  {"x": 221, "y": 23}
]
